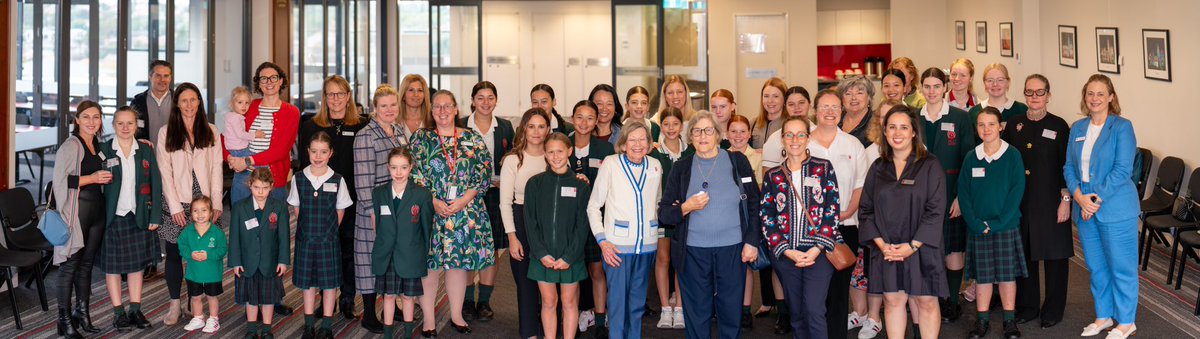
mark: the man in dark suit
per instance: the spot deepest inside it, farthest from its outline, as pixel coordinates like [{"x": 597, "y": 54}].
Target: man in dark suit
[{"x": 154, "y": 105}]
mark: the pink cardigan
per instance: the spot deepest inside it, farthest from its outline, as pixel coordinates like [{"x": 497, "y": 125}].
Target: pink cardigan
[{"x": 176, "y": 168}]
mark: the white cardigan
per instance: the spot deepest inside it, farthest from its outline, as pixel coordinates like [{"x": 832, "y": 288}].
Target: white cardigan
[{"x": 630, "y": 217}]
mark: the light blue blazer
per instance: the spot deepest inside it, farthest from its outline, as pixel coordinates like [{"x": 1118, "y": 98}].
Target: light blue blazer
[{"x": 1110, "y": 169}]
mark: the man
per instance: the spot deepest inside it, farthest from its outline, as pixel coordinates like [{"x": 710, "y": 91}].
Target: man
[{"x": 154, "y": 105}]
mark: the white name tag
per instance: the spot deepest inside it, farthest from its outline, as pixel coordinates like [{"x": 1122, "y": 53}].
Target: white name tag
[
  {"x": 1079, "y": 139},
  {"x": 844, "y": 157},
  {"x": 811, "y": 182},
  {"x": 568, "y": 192},
  {"x": 384, "y": 210},
  {"x": 747, "y": 180},
  {"x": 347, "y": 133},
  {"x": 1048, "y": 134},
  {"x": 948, "y": 126},
  {"x": 112, "y": 163},
  {"x": 329, "y": 187},
  {"x": 594, "y": 162},
  {"x": 452, "y": 193},
  {"x": 102, "y": 156},
  {"x": 141, "y": 123},
  {"x": 251, "y": 224},
  {"x": 977, "y": 172},
  {"x": 468, "y": 144}
]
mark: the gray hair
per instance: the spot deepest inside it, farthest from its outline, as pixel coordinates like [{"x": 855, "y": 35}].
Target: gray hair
[
  {"x": 627, "y": 129},
  {"x": 859, "y": 82},
  {"x": 705, "y": 115}
]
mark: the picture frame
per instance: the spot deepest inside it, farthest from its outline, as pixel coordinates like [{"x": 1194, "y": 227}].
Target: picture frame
[
  {"x": 1156, "y": 50},
  {"x": 960, "y": 35},
  {"x": 1068, "y": 46},
  {"x": 1006, "y": 39},
  {"x": 1108, "y": 47},
  {"x": 981, "y": 36}
]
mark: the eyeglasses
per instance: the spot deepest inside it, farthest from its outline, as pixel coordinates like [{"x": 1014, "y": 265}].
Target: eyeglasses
[
  {"x": 795, "y": 136},
  {"x": 706, "y": 131},
  {"x": 443, "y": 107},
  {"x": 336, "y": 95},
  {"x": 270, "y": 79},
  {"x": 1037, "y": 93}
]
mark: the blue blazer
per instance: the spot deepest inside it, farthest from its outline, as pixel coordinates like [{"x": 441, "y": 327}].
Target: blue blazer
[{"x": 1110, "y": 168}]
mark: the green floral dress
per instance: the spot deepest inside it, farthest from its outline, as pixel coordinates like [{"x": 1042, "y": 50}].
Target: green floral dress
[{"x": 464, "y": 240}]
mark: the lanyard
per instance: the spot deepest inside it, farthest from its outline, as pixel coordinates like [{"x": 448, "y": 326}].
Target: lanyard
[{"x": 451, "y": 157}]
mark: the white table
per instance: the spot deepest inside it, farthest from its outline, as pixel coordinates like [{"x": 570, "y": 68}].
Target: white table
[{"x": 37, "y": 139}]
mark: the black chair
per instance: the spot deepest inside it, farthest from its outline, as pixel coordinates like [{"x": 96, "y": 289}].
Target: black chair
[
  {"x": 1190, "y": 242},
  {"x": 19, "y": 218},
  {"x": 1165, "y": 190},
  {"x": 1143, "y": 175},
  {"x": 1170, "y": 223},
  {"x": 16, "y": 259}
]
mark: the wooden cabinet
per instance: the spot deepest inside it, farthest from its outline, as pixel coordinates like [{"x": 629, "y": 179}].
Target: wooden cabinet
[{"x": 853, "y": 27}]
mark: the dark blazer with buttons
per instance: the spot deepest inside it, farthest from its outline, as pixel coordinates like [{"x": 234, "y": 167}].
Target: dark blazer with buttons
[
  {"x": 265, "y": 246},
  {"x": 402, "y": 237},
  {"x": 147, "y": 186}
]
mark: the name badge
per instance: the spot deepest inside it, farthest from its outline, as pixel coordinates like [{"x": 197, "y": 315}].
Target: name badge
[
  {"x": 1080, "y": 139},
  {"x": 977, "y": 172},
  {"x": 384, "y": 210},
  {"x": 747, "y": 180},
  {"x": 329, "y": 187},
  {"x": 102, "y": 156},
  {"x": 468, "y": 144},
  {"x": 948, "y": 126},
  {"x": 141, "y": 123},
  {"x": 452, "y": 193},
  {"x": 347, "y": 133},
  {"x": 844, "y": 157},
  {"x": 1048, "y": 134},
  {"x": 811, "y": 182},
  {"x": 112, "y": 163},
  {"x": 568, "y": 192},
  {"x": 251, "y": 224},
  {"x": 594, "y": 162},
  {"x": 907, "y": 182}
]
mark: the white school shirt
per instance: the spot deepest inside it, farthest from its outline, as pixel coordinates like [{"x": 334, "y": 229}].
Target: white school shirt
[
  {"x": 127, "y": 197},
  {"x": 343, "y": 198},
  {"x": 849, "y": 165}
]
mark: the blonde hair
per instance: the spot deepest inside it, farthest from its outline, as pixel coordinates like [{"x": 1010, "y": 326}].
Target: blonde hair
[
  {"x": 233, "y": 95},
  {"x": 687, "y": 110},
  {"x": 382, "y": 91},
  {"x": 971, "y": 73},
  {"x": 322, "y": 118},
  {"x": 906, "y": 64},
  {"x": 417, "y": 78}
]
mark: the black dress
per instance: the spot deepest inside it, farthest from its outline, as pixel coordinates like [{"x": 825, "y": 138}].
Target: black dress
[
  {"x": 1043, "y": 147},
  {"x": 899, "y": 211}
]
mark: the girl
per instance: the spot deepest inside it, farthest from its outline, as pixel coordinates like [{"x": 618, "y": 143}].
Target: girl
[
  {"x": 401, "y": 250},
  {"x": 798, "y": 103},
  {"x": 671, "y": 142},
  {"x": 260, "y": 248},
  {"x": 996, "y": 82},
  {"x": 738, "y": 134},
  {"x": 608, "y": 112},
  {"x": 589, "y": 152},
  {"x": 962, "y": 87},
  {"x": 523, "y": 162},
  {"x": 670, "y": 149},
  {"x": 319, "y": 198},
  {"x": 912, "y": 94},
  {"x": 204, "y": 248},
  {"x": 722, "y": 106},
  {"x": 237, "y": 137},
  {"x": 893, "y": 85},
  {"x": 557, "y": 226},
  {"x": 637, "y": 100},
  {"x": 542, "y": 96}
]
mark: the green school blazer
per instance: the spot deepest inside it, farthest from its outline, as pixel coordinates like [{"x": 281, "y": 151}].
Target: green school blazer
[
  {"x": 259, "y": 243},
  {"x": 148, "y": 186},
  {"x": 402, "y": 233}
]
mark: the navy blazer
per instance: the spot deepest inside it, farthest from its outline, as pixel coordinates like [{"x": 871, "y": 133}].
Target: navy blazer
[
  {"x": 1110, "y": 169},
  {"x": 670, "y": 207}
]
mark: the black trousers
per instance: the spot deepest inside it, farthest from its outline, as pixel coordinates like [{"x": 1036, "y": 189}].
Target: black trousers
[
  {"x": 837, "y": 305},
  {"x": 75, "y": 274},
  {"x": 1029, "y": 292},
  {"x": 528, "y": 297},
  {"x": 174, "y": 270},
  {"x": 346, "y": 242}
]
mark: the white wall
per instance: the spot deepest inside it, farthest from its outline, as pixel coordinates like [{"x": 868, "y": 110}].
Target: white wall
[
  {"x": 922, "y": 31},
  {"x": 802, "y": 42}
]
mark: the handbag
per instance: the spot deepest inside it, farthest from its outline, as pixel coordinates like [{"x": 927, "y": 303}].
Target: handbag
[
  {"x": 1182, "y": 210},
  {"x": 763, "y": 261},
  {"x": 841, "y": 257},
  {"x": 54, "y": 228}
]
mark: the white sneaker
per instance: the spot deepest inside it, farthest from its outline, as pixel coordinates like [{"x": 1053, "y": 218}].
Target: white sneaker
[
  {"x": 212, "y": 325},
  {"x": 586, "y": 319},
  {"x": 854, "y": 320},
  {"x": 665, "y": 318},
  {"x": 678, "y": 318},
  {"x": 195, "y": 324},
  {"x": 870, "y": 329}
]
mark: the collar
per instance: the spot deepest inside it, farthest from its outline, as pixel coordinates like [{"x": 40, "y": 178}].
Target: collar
[
  {"x": 982, "y": 155},
  {"x": 476, "y": 128},
  {"x": 256, "y": 206},
  {"x": 317, "y": 180},
  {"x": 1006, "y": 106},
  {"x": 945, "y": 111},
  {"x": 158, "y": 100},
  {"x": 398, "y": 195},
  {"x": 132, "y": 151}
]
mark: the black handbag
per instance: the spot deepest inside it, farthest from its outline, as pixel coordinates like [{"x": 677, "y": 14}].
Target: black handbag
[{"x": 1182, "y": 209}]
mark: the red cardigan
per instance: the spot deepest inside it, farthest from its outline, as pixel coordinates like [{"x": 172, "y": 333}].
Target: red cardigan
[{"x": 283, "y": 137}]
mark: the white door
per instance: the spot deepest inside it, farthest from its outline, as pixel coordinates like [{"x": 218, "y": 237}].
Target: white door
[
  {"x": 503, "y": 57},
  {"x": 762, "y": 53},
  {"x": 549, "y": 57}
]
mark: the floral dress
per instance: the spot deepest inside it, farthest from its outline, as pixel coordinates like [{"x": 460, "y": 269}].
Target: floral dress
[{"x": 449, "y": 166}]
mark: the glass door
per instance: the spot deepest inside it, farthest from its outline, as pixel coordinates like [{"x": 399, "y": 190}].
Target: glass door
[
  {"x": 455, "y": 47},
  {"x": 637, "y": 45}
]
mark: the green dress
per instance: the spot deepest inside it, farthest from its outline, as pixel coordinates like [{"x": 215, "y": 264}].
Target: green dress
[
  {"x": 950, "y": 138},
  {"x": 462, "y": 241}
]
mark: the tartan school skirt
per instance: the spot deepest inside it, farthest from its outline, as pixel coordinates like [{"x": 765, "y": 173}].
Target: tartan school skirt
[
  {"x": 392, "y": 284},
  {"x": 995, "y": 257},
  {"x": 318, "y": 263},
  {"x": 954, "y": 234},
  {"x": 591, "y": 250},
  {"x": 127, "y": 248},
  {"x": 258, "y": 289}
]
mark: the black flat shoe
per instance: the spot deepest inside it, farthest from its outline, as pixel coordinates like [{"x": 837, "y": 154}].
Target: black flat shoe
[
  {"x": 309, "y": 333},
  {"x": 599, "y": 332},
  {"x": 469, "y": 312},
  {"x": 464, "y": 329},
  {"x": 782, "y": 324},
  {"x": 747, "y": 320},
  {"x": 138, "y": 319},
  {"x": 951, "y": 312},
  {"x": 371, "y": 325},
  {"x": 1023, "y": 320},
  {"x": 485, "y": 312},
  {"x": 981, "y": 329},
  {"x": 283, "y": 310},
  {"x": 1049, "y": 323},
  {"x": 121, "y": 323},
  {"x": 251, "y": 336},
  {"x": 347, "y": 309},
  {"x": 429, "y": 334},
  {"x": 1010, "y": 330},
  {"x": 267, "y": 335},
  {"x": 325, "y": 334}
]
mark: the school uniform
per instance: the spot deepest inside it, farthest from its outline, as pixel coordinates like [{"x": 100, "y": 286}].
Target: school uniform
[
  {"x": 499, "y": 140},
  {"x": 403, "y": 226},
  {"x": 1008, "y": 111},
  {"x": 132, "y": 202},
  {"x": 318, "y": 253},
  {"x": 342, "y": 163},
  {"x": 990, "y": 197},
  {"x": 587, "y": 161},
  {"x": 949, "y": 138},
  {"x": 557, "y": 225},
  {"x": 204, "y": 277},
  {"x": 259, "y": 241}
]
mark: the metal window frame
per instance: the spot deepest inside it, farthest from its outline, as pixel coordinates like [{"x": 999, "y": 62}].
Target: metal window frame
[{"x": 659, "y": 37}]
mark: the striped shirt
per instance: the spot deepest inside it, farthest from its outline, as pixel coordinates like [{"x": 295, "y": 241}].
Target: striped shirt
[{"x": 265, "y": 121}]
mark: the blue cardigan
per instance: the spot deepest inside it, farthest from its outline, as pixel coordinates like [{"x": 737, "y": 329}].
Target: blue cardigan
[{"x": 1110, "y": 169}]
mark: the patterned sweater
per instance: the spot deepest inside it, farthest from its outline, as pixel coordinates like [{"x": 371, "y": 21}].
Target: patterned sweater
[{"x": 820, "y": 208}]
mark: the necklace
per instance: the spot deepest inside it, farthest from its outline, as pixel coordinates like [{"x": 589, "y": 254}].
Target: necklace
[{"x": 710, "y": 170}]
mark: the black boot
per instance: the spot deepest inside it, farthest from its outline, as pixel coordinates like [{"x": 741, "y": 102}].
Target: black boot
[
  {"x": 783, "y": 323},
  {"x": 83, "y": 316},
  {"x": 67, "y": 327},
  {"x": 122, "y": 323},
  {"x": 347, "y": 307},
  {"x": 1010, "y": 330},
  {"x": 981, "y": 329}
]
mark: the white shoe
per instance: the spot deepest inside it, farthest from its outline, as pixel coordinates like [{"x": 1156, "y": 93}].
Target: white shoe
[
  {"x": 870, "y": 329},
  {"x": 1092, "y": 329},
  {"x": 1116, "y": 334},
  {"x": 586, "y": 319},
  {"x": 195, "y": 324},
  {"x": 854, "y": 320},
  {"x": 665, "y": 318},
  {"x": 678, "y": 318},
  {"x": 212, "y": 325}
]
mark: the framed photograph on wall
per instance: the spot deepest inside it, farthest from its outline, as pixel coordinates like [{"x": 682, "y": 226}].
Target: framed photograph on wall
[
  {"x": 1006, "y": 39},
  {"x": 1068, "y": 48},
  {"x": 960, "y": 35},
  {"x": 981, "y": 36},
  {"x": 1108, "y": 50},
  {"x": 1156, "y": 47}
]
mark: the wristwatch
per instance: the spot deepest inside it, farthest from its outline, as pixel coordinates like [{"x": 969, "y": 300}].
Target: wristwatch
[
  {"x": 914, "y": 247},
  {"x": 1066, "y": 198}
]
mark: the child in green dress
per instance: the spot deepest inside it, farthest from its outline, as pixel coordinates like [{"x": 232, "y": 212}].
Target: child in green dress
[{"x": 204, "y": 248}]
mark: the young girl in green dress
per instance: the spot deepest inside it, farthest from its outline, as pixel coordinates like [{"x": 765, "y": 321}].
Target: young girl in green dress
[
  {"x": 403, "y": 219},
  {"x": 203, "y": 247}
]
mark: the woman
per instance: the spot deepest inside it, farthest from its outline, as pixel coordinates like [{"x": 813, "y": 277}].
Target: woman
[
  {"x": 189, "y": 160},
  {"x": 846, "y": 154},
  {"x": 676, "y": 94},
  {"x": 798, "y": 104},
  {"x": 341, "y": 120},
  {"x": 627, "y": 188},
  {"x": 524, "y": 161},
  {"x": 857, "y": 94},
  {"x": 912, "y": 94},
  {"x": 1046, "y": 208},
  {"x": 280, "y": 120},
  {"x": 901, "y": 216},
  {"x": 711, "y": 198},
  {"x": 80, "y": 172},
  {"x": 542, "y": 96},
  {"x": 996, "y": 83},
  {"x": 497, "y": 135},
  {"x": 609, "y": 114},
  {"x": 133, "y": 203},
  {"x": 371, "y": 147},
  {"x": 949, "y": 137},
  {"x": 770, "y": 112},
  {"x": 865, "y": 308},
  {"x": 455, "y": 165},
  {"x": 637, "y": 100},
  {"x": 1099, "y": 163},
  {"x": 962, "y": 86},
  {"x": 893, "y": 85},
  {"x": 989, "y": 200},
  {"x": 589, "y": 152},
  {"x": 416, "y": 104}
]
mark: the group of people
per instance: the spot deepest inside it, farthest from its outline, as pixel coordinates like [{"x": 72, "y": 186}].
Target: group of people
[{"x": 588, "y": 205}]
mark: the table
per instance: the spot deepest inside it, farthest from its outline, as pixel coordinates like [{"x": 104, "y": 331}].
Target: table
[{"x": 37, "y": 139}]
